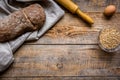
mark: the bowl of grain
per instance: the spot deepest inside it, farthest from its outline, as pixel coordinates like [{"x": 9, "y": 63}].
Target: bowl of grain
[{"x": 109, "y": 39}]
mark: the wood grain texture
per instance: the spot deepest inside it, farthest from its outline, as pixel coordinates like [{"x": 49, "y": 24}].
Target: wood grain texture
[
  {"x": 69, "y": 51},
  {"x": 63, "y": 60},
  {"x": 64, "y": 78},
  {"x": 72, "y": 30},
  {"x": 96, "y": 5}
]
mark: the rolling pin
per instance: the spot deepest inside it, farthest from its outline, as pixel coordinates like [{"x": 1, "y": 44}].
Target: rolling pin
[{"x": 72, "y": 7}]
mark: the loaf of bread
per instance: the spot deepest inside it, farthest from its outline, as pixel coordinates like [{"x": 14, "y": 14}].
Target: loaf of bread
[{"x": 25, "y": 20}]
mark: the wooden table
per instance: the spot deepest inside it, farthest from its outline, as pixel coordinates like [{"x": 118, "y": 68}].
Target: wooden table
[{"x": 69, "y": 50}]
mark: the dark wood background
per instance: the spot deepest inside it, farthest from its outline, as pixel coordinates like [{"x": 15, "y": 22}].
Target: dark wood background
[{"x": 69, "y": 51}]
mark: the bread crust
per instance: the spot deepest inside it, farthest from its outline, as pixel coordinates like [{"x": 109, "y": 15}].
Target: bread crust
[{"x": 27, "y": 19}]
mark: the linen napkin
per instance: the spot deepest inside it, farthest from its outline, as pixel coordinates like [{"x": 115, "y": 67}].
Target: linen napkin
[{"x": 53, "y": 14}]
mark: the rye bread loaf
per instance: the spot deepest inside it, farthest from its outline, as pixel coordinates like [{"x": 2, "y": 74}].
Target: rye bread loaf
[{"x": 27, "y": 19}]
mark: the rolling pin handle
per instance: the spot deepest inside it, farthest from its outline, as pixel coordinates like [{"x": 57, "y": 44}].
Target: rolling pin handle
[{"x": 84, "y": 16}]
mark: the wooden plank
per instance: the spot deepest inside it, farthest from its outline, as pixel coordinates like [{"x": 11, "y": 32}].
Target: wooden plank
[
  {"x": 96, "y": 5},
  {"x": 64, "y": 78},
  {"x": 72, "y": 30},
  {"x": 63, "y": 60}
]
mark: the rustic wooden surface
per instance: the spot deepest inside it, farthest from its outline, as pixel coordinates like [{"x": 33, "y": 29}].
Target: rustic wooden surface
[{"x": 69, "y": 51}]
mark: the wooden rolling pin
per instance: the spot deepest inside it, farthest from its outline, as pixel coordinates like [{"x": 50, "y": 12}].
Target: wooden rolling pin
[{"x": 72, "y": 7}]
